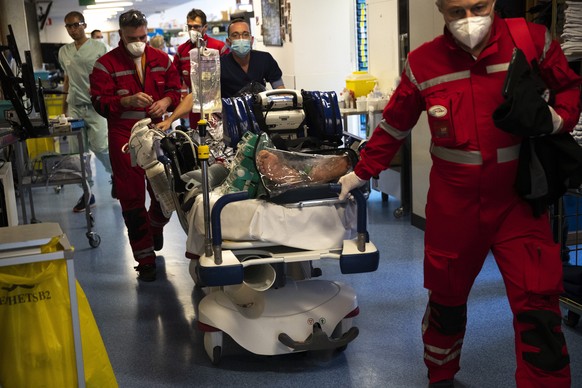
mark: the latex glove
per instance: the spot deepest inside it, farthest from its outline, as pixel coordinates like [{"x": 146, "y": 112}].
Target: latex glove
[{"x": 349, "y": 182}]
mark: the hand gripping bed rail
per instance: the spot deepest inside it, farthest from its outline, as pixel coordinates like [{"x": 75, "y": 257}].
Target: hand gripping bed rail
[{"x": 362, "y": 220}]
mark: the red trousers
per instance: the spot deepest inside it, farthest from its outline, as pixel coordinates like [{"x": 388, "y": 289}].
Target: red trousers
[
  {"x": 130, "y": 185},
  {"x": 460, "y": 232}
]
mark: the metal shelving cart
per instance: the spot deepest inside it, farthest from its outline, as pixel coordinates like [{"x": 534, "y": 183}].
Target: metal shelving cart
[
  {"x": 568, "y": 232},
  {"x": 28, "y": 178}
]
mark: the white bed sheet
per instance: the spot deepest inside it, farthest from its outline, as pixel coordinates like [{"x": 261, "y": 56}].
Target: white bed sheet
[{"x": 310, "y": 228}]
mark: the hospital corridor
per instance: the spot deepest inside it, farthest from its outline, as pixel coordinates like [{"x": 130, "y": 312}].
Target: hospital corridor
[
  {"x": 290, "y": 194},
  {"x": 150, "y": 328}
]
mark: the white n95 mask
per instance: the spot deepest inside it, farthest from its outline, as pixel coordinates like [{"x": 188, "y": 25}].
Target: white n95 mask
[
  {"x": 471, "y": 31},
  {"x": 136, "y": 49}
]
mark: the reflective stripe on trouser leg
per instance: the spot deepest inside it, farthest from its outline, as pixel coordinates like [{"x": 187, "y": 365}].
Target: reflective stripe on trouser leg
[
  {"x": 140, "y": 237},
  {"x": 443, "y": 330}
]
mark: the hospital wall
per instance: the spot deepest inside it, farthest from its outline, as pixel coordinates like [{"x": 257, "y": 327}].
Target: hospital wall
[
  {"x": 322, "y": 51},
  {"x": 426, "y": 24}
]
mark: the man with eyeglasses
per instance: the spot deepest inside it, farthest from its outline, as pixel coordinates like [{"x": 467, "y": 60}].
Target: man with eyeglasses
[
  {"x": 238, "y": 69},
  {"x": 130, "y": 83},
  {"x": 244, "y": 65},
  {"x": 77, "y": 60},
  {"x": 197, "y": 27},
  {"x": 473, "y": 207}
]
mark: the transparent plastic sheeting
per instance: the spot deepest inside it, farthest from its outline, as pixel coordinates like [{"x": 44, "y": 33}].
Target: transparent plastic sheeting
[
  {"x": 205, "y": 74},
  {"x": 283, "y": 170}
]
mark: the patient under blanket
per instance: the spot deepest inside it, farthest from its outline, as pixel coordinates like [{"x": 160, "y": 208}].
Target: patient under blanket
[{"x": 310, "y": 228}]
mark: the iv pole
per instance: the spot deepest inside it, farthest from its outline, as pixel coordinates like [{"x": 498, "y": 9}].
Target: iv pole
[{"x": 203, "y": 156}]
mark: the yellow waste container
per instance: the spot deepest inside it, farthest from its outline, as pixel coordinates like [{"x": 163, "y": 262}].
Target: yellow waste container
[
  {"x": 38, "y": 147},
  {"x": 54, "y": 104},
  {"x": 361, "y": 83}
]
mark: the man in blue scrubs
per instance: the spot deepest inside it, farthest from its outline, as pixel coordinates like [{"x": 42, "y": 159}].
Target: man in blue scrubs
[{"x": 244, "y": 65}]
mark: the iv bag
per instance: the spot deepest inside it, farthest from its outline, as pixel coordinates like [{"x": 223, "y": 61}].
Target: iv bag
[{"x": 205, "y": 75}]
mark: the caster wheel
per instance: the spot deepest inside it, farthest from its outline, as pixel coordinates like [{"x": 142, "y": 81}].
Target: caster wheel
[
  {"x": 571, "y": 319},
  {"x": 58, "y": 189},
  {"x": 216, "y": 355},
  {"x": 213, "y": 346},
  {"x": 399, "y": 212},
  {"x": 94, "y": 239},
  {"x": 341, "y": 328}
]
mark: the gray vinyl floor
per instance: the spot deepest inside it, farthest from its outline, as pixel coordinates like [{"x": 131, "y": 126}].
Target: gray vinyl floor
[{"x": 150, "y": 332}]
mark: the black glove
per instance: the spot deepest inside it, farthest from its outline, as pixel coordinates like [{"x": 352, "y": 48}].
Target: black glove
[{"x": 525, "y": 112}]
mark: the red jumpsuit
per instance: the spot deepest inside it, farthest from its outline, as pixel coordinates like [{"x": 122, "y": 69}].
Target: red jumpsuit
[
  {"x": 472, "y": 207},
  {"x": 115, "y": 76},
  {"x": 182, "y": 63}
]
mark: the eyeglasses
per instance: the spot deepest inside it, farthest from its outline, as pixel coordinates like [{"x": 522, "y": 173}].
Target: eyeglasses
[
  {"x": 74, "y": 25},
  {"x": 129, "y": 17},
  {"x": 238, "y": 35},
  {"x": 196, "y": 27}
]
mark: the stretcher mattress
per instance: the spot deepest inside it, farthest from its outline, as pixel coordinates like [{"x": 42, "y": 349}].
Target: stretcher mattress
[{"x": 310, "y": 228}]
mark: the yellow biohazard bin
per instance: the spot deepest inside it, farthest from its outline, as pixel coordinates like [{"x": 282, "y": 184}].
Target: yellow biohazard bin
[
  {"x": 54, "y": 104},
  {"x": 37, "y": 147},
  {"x": 361, "y": 83}
]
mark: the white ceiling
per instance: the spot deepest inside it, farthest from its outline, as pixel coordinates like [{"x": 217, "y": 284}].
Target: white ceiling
[{"x": 60, "y": 8}]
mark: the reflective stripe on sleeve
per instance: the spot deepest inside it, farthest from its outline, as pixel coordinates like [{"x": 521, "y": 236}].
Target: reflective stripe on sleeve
[
  {"x": 547, "y": 45},
  {"x": 100, "y": 67},
  {"x": 395, "y": 133}
]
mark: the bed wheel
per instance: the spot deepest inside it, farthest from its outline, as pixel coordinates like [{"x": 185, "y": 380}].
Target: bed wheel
[
  {"x": 216, "y": 355},
  {"x": 94, "y": 239},
  {"x": 342, "y": 327},
  {"x": 399, "y": 212},
  {"x": 213, "y": 346}
]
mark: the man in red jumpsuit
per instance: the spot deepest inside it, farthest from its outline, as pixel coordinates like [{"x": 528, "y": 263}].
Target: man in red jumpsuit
[
  {"x": 132, "y": 82},
  {"x": 197, "y": 27},
  {"x": 472, "y": 206}
]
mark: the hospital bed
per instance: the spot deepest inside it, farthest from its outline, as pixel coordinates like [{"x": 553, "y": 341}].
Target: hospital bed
[{"x": 256, "y": 259}]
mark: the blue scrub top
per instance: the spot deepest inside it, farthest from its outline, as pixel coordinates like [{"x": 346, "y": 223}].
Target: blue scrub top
[{"x": 262, "y": 68}]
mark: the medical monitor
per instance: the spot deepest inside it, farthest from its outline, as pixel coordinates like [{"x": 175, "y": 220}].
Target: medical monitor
[
  {"x": 11, "y": 86},
  {"x": 29, "y": 82},
  {"x": 13, "y": 47}
]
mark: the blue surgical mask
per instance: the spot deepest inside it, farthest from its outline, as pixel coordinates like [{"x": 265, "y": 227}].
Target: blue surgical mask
[{"x": 240, "y": 47}]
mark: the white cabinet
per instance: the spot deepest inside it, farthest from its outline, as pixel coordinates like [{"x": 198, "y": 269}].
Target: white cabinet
[{"x": 8, "y": 197}]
